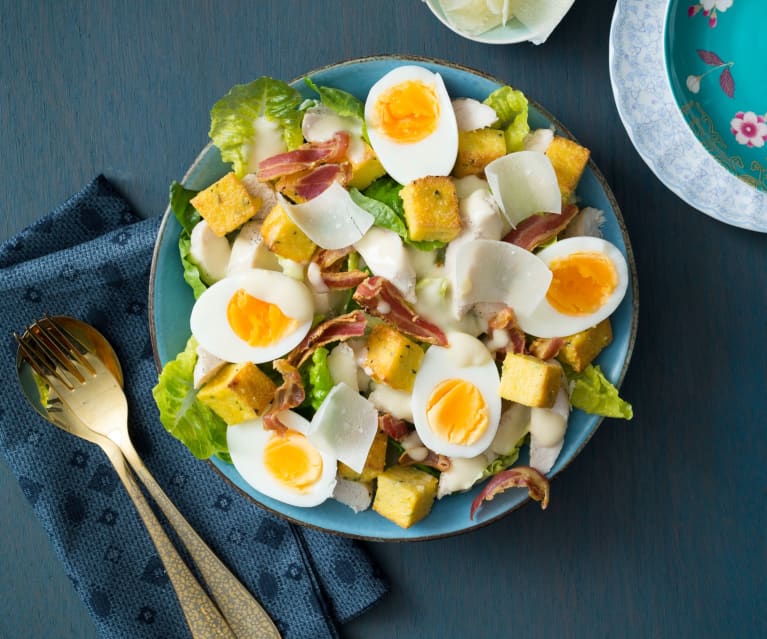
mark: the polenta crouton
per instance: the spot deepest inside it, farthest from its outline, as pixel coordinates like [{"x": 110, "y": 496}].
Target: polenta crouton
[
  {"x": 569, "y": 160},
  {"x": 431, "y": 209},
  {"x": 579, "y": 350},
  {"x": 226, "y": 205},
  {"x": 366, "y": 171},
  {"x": 476, "y": 149},
  {"x": 404, "y": 495},
  {"x": 283, "y": 237},
  {"x": 238, "y": 392},
  {"x": 393, "y": 358},
  {"x": 374, "y": 464},
  {"x": 530, "y": 381}
]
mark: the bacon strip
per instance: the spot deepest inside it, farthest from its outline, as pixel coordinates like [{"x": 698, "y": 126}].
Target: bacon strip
[
  {"x": 329, "y": 261},
  {"x": 433, "y": 460},
  {"x": 289, "y": 395},
  {"x": 307, "y": 156},
  {"x": 537, "y": 229},
  {"x": 520, "y": 477},
  {"x": 506, "y": 320},
  {"x": 546, "y": 347},
  {"x": 392, "y": 426},
  {"x": 335, "y": 329},
  {"x": 379, "y": 297},
  {"x": 310, "y": 184}
]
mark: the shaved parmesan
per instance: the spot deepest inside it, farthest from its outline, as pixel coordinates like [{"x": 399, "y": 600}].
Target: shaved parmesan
[
  {"x": 344, "y": 426},
  {"x": 524, "y": 183},
  {"x": 488, "y": 271},
  {"x": 547, "y": 432},
  {"x": 331, "y": 220}
]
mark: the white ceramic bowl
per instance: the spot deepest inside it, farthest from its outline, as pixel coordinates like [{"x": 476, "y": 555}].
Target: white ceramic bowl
[{"x": 510, "y": 33}]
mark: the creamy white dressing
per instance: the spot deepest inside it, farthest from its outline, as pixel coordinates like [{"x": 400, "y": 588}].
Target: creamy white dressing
[
  {"x": 321, "y": 123},
  {"x": 267, "y": 141},
  {"x": 462, "y": 474},
  {"x": 514, "y": 424},
  {"x": 209, "y": 252},
  {"x": 538, "y": 140},
  {"x": 206, "y": 366},
  {"x": 548, "y": 425},
  {"x": 434, "y": 302},
  {"x": 250, "y": 251},
  {"x": 471, "y": 114},
  {"x": 466, "y": 350},
  {"x": 385, "y": 255},
  {"x": 343, "y": 367},
  {"x": 391, "y": 400}
]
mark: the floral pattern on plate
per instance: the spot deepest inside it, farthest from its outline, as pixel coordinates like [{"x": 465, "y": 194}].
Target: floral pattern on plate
[{"x": 657, "y": 128}]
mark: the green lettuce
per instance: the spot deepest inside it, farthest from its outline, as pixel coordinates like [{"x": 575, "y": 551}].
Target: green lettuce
[
  {"x": 233, "y": 118},
  {"x": 504, "y": 461},
  {"x": 343, "y": 103},
  {"x": 320, "y": 380},
  {"x": 182, "y": 414},
  {"x": 511, "y": 107},
  {"x": 593, "y": 393},
  {"x": 382, "y": 200},
  {"x": 187, "y": 217}
]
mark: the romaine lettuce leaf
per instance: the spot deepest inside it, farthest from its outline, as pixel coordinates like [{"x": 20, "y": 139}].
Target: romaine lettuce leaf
[
  {"x": 511, "y": 107},
  {"x": 343, "y": 103},
  {"x": 381, "y": 199},
  {"x": 187, "y": 217},
  {"x": 320, "y": 380},
  {"x": 593, "y": 393},
  {"x": 182, "y": 414},
  {"x": 233, "y": 118},
  {"x": 504, "y": 461}
]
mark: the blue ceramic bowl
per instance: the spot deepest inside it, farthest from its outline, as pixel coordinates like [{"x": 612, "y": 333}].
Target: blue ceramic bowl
[
  {"x": 715, "y": 53},
  {"x": 170, "y": 301}
]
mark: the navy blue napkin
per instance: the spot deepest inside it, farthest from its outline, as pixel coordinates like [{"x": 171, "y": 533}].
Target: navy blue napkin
[{"x": 90, "y": 259}]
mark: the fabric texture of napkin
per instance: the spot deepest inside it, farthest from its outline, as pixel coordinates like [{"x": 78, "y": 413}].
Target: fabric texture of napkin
[{"x": 90, "y": 258}]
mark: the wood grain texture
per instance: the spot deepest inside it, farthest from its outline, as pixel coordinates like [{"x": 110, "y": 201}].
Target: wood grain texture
[{"x": 656, "y": 530}]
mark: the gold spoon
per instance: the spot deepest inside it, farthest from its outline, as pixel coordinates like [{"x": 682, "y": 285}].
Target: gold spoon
[{"x": 91, "y": 404}]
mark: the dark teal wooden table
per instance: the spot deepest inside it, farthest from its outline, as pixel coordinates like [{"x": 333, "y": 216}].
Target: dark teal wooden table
[{"x": 659, "y": 527}]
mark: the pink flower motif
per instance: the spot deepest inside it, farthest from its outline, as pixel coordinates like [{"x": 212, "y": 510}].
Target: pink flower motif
[{"x": 749, "y": 129}]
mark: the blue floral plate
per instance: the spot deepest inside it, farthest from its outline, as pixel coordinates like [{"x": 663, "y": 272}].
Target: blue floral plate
[
  {"x": 688, "y": 83},
  {"x": 170, "y": 302},
  {"x": 715, "y": 59}
]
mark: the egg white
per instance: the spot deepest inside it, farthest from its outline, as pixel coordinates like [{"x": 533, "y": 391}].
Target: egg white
[
  {"x": 440, "y": 364},
  {"x": 211, "y": 328},
  {"x": 246, "y": 446},
  {"x": 435, "y": 154},
  {"x": 545, "y": 320}
]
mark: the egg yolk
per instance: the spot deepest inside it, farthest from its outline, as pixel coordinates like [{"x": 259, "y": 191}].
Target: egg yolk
[
  {"x": 581, "y": 283},
  {"x": 408, "y": 111},
  {"x": 255, "y": 321},
  {"x": 293, "y": 461},
  {"x": 456, "y": 412}
]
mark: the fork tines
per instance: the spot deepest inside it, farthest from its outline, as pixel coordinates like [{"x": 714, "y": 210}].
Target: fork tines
[{"x": 48, "y": 347}]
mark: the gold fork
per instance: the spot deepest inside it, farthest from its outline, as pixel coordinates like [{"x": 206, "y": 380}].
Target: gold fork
[{"x": 89, "y": 402}]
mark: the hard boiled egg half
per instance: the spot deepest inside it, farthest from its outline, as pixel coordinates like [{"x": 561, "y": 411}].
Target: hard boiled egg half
[
  {"x": 411, "y": 124},
  {"x": 456, "y": 404},
  {"x": 254, "y": 315},
  {"x": 589, "y": 280},
  {"x": 287, "y": 467}
]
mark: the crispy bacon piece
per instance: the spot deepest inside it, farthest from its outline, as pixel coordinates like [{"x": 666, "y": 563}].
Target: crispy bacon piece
[
  {"x": 536, "y": 229},
  {"x": 289, "y": 395},
  {"x": 329, "y": 261},
  {"x": 546, "y": 347},
  {"x": 433, "y": 460},
  {"x": 392, "y": 426},
  {"x": 379, "y": 297},
  {"x": 335, "y": 329},
  {"x": 308, "y": 184},
  {"x": 506, "y": 320},
  {"x": 307, "y": 156},
  {"x": 537, "y": 485}
]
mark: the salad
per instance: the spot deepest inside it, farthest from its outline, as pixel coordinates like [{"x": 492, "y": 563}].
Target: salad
[{"x": 393, "y": 296}]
